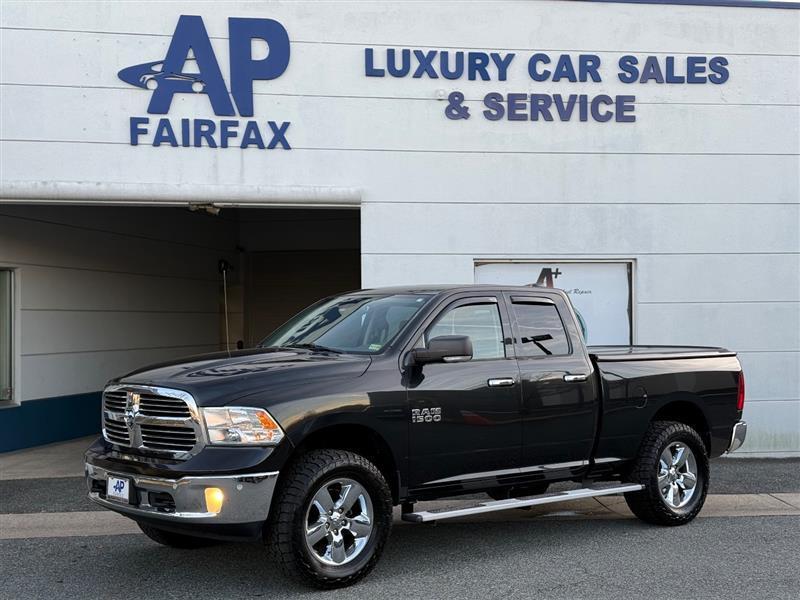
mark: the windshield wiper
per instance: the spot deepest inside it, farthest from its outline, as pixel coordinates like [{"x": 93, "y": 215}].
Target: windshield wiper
[{"x": 317, "y": 347}]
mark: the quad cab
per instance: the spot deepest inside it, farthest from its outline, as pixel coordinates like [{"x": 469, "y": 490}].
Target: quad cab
[{"x": 387, "y": 397}]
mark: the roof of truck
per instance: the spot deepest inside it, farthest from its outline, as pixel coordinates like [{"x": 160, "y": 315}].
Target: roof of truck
[{"x": 439, "y": 288}]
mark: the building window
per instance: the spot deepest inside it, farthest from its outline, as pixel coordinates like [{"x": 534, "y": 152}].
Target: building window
[{"x": 6, "y": 341}]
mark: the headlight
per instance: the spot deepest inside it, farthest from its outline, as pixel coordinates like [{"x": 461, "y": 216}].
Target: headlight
[{"x": 241, "y": 425}]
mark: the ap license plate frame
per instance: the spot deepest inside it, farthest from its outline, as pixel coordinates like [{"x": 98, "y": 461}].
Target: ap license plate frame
[{"x": 120, "y": 489}]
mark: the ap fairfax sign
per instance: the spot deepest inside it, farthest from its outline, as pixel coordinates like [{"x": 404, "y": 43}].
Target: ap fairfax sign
[{"x": 191, "y": 47}]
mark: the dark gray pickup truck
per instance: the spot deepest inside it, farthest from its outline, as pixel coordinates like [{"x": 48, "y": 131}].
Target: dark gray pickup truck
[{"x": 386, "y": 397}]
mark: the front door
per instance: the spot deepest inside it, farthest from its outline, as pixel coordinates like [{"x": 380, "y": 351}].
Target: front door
[{"x": 465, "y": 416}]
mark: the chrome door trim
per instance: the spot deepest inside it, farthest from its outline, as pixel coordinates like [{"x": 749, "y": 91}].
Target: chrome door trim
[{"x": 516, "y": 471}]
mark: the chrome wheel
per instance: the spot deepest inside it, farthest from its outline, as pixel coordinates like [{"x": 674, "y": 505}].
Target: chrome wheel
[
  {"x": 338, "y": 521},
  {"x": 677, "y": 475}
]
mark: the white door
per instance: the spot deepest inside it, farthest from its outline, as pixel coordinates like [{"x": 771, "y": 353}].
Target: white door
[{"x": 599, "y": 291}]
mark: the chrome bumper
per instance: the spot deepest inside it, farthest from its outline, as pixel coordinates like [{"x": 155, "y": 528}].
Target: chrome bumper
[
  {"x": 247, "y": 497},
  {"x": 738, "y": 436}
]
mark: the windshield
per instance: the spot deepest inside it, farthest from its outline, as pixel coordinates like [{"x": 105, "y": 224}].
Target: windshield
[{"x": 358, "y": 323}]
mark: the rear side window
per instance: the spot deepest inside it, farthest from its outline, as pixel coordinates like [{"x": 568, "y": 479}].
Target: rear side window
[{"x": 541, "y": 331}]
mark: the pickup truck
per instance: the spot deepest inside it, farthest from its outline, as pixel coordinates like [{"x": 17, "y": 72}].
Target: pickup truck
[{"x": 386, "y": 397}]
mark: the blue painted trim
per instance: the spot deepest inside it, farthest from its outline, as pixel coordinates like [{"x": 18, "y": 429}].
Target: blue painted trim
[
  {"x": 733, "y": 3},
  {"x": 37, "y": 422}
]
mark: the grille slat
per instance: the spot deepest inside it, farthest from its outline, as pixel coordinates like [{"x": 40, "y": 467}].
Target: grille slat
[
  {"x": 164, "y": 436},
  {"x": 163, "y": 413},
  {"x": 155, "y": 405},
  {"x": 173, "y": 436},
  {"x": 162, "y": 399},
  {"x": 167, "y": 428},
  {"x": 116, "y": 432},
  {"x": 167, "y": 446}
]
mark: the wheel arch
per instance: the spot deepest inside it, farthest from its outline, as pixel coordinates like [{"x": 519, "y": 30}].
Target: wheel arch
[
  {"x": 689, "y": 413},
  {"x": 360, "y": 439}
]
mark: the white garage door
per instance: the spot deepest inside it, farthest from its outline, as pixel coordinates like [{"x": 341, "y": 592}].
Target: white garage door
[{"x": 600, "y": 291}]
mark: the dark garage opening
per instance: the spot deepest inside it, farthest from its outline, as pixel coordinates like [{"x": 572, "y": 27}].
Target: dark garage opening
[
  {"x": 93, "y": 292},
  {"x": 291, "y": 258}
]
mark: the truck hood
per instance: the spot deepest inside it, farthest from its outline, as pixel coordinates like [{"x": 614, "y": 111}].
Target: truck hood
[{"x": 220, "y": 378}]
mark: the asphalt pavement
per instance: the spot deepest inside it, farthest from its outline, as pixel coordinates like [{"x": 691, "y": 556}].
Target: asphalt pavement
[
  {"x": 751, "y": 557},
  {"x": 55, "y": 544}
]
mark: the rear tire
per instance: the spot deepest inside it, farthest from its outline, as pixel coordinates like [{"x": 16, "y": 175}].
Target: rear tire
[
  {"x": 175, "y": 540},
  {"x": 673, "y": 467},
  {"x": 331, "y": 519}
]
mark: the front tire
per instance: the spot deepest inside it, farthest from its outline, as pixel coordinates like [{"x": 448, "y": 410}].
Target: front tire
[
  {"x": 673, "y": 467},
  {"x": 331, "y": 519}
]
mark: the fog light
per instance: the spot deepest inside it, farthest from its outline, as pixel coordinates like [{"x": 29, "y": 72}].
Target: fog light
[{"x": 214, "y": 500}]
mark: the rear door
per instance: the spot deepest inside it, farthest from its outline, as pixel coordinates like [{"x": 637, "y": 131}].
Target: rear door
[
  {"x": 465, "y": 419},
  {"x": 559, "y": 402}
]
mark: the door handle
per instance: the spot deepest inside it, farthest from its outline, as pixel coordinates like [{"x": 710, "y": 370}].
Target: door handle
[
  {"x": 501, "y": 382},
  {"x": 575, "y": 378}
]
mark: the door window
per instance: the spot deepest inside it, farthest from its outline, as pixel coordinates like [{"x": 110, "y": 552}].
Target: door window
[
  {"x": 541, "y": 332},
  {"x": 481, "y": 322}
]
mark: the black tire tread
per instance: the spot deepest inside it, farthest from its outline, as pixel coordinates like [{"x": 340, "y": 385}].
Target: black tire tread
[
  {"x": 281, "y": 534},
  {"x": 647, "y": 504}
]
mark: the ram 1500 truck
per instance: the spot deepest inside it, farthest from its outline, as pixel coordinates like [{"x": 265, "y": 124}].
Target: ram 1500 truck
[{"x": 385, "y": 397}]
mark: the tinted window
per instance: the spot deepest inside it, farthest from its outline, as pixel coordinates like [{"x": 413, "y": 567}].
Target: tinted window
[
  {"x": 541, "y": 330},
  {"x": 352, "y": 323},
  {"x": 481, "y": 322}
]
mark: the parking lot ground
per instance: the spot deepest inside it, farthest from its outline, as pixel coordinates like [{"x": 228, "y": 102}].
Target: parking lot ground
[
  {"x": 54, "y": 543},
  {"x": 727, "y": 557}
]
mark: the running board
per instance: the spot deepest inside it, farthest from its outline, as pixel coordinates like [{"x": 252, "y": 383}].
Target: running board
[{"x": 427, "y": 516}]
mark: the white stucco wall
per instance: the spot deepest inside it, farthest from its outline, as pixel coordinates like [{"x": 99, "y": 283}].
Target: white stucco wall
[{"x": 701, "y": 191}]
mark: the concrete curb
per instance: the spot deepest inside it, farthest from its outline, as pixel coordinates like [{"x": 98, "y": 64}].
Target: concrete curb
[{"x": 105, "y": 523}]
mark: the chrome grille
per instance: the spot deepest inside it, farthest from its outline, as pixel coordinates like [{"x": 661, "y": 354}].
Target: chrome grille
[
  {"x": 165, "y": 437},
  {"x": 115, "y": 400},
  {"x": 163, "y": 406},
  {"x": 152, "y": 419},
  {"x": 116, "y": 431}
]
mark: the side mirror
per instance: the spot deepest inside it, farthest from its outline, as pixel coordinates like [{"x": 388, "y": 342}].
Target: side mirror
[{"x": 445, "y": 348}]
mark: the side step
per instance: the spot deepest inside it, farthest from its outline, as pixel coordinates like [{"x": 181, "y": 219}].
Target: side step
[{"x": 426, "y": 516}]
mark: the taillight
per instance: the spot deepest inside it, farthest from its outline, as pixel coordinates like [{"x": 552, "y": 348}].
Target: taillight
[{"x": 740, "y": 395}]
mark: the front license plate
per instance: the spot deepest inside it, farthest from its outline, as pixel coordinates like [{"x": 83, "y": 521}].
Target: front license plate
[{"x": 119, "y": 489}]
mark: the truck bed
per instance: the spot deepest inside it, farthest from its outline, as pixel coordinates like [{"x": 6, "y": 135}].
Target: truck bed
[{"x": 620, "y": 353}]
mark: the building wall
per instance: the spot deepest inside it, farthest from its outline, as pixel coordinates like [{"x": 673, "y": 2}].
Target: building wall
[
  {"x": 101, "y": 291},
  {"x": 701, "y": 192}
]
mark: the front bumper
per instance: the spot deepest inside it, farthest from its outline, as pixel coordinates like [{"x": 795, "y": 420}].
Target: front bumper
[
  {"x": 738, "y": 436},
  {"x": 169, "y": 502}
]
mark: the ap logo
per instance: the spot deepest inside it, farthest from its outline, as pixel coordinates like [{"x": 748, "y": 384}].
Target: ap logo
[
  {"x": 166, "y": 78},
  {"x": 191, "y": 67}
]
